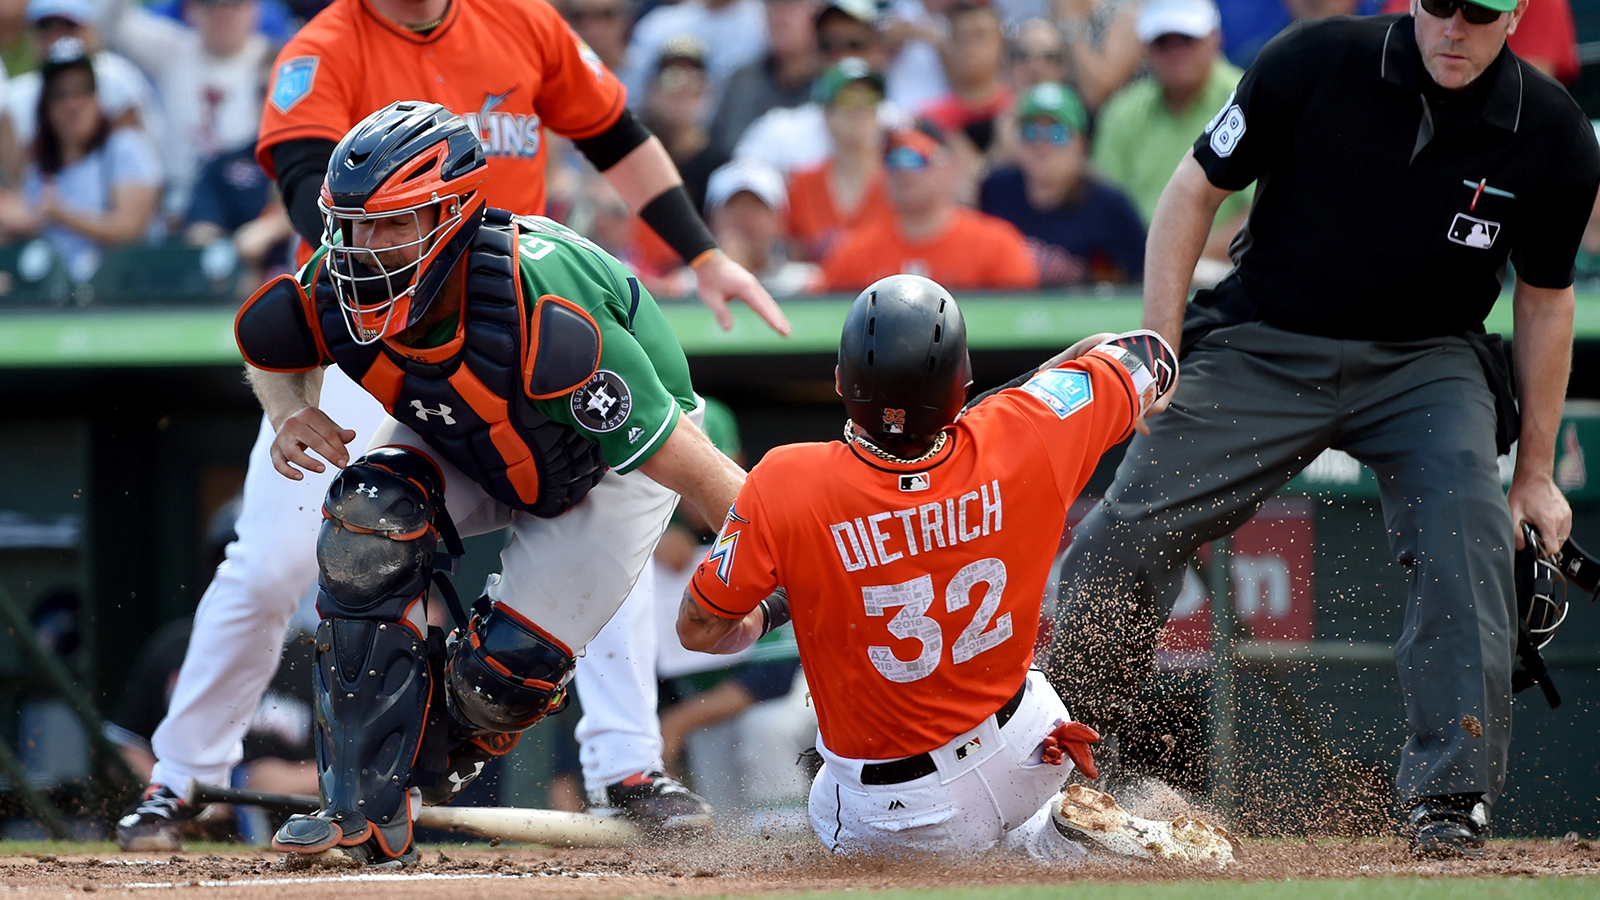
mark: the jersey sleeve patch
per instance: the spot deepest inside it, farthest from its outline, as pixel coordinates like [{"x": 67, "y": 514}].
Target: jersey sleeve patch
[
  {"x": 293, "y": 82},
  {"x": 1065, "y": 391},
  {"x": 274, "y": 328},
  {"x": 602, "y": 404}
]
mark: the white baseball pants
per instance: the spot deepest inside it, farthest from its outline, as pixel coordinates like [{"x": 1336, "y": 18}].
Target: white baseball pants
[{"x": 998, "y": 793}]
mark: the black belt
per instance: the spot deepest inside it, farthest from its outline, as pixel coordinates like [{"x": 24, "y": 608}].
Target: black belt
[{"x": 913, "y": 767}]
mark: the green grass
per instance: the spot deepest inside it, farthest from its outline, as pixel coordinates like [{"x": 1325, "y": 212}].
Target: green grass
[{"x": 1349, "y": 889}]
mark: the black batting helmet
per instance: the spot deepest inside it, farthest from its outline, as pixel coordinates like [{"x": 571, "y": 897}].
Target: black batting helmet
[
  {"x": 903, "y": 364},
  {"x": 402, "y": 159}
]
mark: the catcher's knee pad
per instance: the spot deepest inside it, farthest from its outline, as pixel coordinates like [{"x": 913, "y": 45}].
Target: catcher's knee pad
[
  {"x": 505, "y": 673},
  {"x": 377, "y": 548},
  {"x": 372, "y": 684}
]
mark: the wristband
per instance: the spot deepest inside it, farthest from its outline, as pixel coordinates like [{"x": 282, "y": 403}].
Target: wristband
[
  {"x": 774, "y": 611},
  {"x": 671, "y": 215}
]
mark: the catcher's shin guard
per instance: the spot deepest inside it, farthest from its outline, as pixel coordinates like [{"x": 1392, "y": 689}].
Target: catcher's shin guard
[
  {"x": 505, "y": 673},
  {"x": 373, "y": 680}
]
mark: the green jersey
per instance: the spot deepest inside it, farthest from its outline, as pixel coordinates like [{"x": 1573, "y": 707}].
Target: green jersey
[{"x": 631, "y": 404}]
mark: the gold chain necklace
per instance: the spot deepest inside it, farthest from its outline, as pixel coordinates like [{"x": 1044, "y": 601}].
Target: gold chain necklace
[
  {"x": 429, "y": 26},
  {"x": 851, "y": 437}
]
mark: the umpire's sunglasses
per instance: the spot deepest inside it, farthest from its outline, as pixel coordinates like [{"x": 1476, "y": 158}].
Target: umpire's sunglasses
[{"x": 1472, "y": 12}]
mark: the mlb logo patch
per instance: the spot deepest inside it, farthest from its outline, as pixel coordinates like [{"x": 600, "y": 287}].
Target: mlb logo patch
[
  {"x": 1065, "y": 391},
  {"x": 894, "y": 421},
  {"x": 969, "y": 748},
  {"x": 293, "y": 82},
  {"x": 1476, "y": 233},
  {"x": 919, "y": 481}
]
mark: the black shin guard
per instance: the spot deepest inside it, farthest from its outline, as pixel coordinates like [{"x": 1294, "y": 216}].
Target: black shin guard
[{"x": 372, "y": 689}]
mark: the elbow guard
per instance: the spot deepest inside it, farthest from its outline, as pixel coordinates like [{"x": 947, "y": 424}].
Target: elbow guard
[
  {"x": 1148, "y": 359},
  {"x": 274, "y": 328}
]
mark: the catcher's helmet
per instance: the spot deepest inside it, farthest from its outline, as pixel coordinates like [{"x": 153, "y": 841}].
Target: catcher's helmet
[
  {"x": 403, "y": 158},
  {"x": 903, "y": 364}
]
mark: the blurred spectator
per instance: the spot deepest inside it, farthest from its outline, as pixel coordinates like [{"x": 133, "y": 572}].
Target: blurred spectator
[
  {"x": 1588, "y": 262},
  {"x": 233, "y": 199},
  {"x": 733, "y": 31},
  {"x": 1102, "y": 45},
  {"x": 745, "y": 204},
  {"x": 1038, "y": 56},
  {"x": 848, "y": 189},
  {"x": 604, "y": 25},
  {"x": 847, "y": 28},
  {"x": 277, "y": 23},
  {"x": 1545, "y": 37},
  {"x": 931, "y": 235},
  {"x": 209, "y": 71},
  {"x": 87, "y": 184},
  {"x": 1320, "y": 9},
  {"x": 795, "y": 139},
  {"x": 973, "y": 59},
  {"x": 671, "y": 109},
  {"x": 126, "y": 96},
  {"x": 1080, "y": 229},
  {"x": 780, "y": 78},
  {"x": 913, "y": 32},
  {"x": 1146, "y": 129},
  {"x": 1247, "y": 25}
]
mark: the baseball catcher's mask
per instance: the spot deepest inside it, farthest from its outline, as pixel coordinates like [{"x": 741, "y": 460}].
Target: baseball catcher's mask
[
  {"x": 1541, "y": 584},
  {"x": 398, "y": 162}
]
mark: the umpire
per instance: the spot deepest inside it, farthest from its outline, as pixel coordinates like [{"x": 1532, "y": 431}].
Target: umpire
[{"x": 1401, "y": 161}]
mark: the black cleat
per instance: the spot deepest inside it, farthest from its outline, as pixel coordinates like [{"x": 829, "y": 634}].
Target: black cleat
[
  {"x": 1454, "y": 826},
  {"x": 658, "y": 803},
  {"x": 152, "y": 824}
]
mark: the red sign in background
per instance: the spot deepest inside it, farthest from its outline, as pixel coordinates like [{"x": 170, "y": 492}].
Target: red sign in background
[{"x": 1273, "y": 586}]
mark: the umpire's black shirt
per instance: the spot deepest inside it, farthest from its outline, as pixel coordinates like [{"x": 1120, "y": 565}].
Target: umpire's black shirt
[{"x": 1364, "y": 224}]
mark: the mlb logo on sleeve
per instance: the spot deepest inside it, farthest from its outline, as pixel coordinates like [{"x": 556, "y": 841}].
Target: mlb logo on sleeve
[
  {"x": 1065, "y": 391},
  {"x": 293, "y": 82},
  {"x": 1476, "y": 233}
]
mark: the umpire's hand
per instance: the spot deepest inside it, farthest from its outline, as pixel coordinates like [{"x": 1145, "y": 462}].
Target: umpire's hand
[
  {"x": 1535, "y": 499},
  {"x": 309, "y": 428}
]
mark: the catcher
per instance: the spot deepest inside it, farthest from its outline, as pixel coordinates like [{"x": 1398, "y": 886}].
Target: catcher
[
  {"x": 913, "y": 566},
  {"x": 527, "y": 375}
]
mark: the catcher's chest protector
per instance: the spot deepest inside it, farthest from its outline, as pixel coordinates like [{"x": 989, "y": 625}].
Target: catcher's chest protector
[{"x": 470, "y": 398}]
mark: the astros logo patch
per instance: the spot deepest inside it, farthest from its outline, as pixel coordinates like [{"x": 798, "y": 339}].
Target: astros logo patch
[
  {"x": 603, "y": 403},
  {"x": 894, "y": 420},
  {"x": 293, "y": 82}
]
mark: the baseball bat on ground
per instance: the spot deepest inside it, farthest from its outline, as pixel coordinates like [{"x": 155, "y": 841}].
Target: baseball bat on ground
[{"x": 509, "y": 823}]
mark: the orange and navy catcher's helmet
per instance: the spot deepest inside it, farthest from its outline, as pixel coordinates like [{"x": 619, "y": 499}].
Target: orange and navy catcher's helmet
[{"x": 401, "y": 160}]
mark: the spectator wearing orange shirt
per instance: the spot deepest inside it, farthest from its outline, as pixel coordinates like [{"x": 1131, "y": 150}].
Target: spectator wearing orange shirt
[
  {"x": 848, "y": 189},
  {"x": 930, "y": 235}
]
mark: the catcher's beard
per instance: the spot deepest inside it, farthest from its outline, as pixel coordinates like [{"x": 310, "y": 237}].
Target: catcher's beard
[{"x": 371, "y": 287}]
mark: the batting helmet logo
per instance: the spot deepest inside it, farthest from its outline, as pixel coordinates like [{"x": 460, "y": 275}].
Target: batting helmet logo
[{"x": 894, "y": 420}]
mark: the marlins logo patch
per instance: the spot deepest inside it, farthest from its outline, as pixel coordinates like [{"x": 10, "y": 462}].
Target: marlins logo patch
[
  {"x": 1065, "y": 391},
  {"x": 603, "y": 404},
  {"x": 293, "y": 82}
]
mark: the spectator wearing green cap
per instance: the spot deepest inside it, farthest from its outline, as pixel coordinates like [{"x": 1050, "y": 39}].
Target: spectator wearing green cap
[
  {"x": 1147, "y": 127},
  {"x": 847, "y": 189},
  {"x": 1079, "y": 228}
]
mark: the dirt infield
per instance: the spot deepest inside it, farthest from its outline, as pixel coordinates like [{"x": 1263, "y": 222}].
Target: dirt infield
[{"x": 750, "y": 865}]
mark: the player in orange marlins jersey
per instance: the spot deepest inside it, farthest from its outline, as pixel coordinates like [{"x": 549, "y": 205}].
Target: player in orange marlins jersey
[{"x": 913, "y": 562}]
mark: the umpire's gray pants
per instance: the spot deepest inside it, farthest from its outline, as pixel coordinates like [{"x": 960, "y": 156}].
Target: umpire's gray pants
[{"x": 1255, "y": 405}]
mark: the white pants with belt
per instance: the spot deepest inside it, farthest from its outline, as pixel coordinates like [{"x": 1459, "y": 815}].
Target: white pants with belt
[{"x": 998, "y": 792}]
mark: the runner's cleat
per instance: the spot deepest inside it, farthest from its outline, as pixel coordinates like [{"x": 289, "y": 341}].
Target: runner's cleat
[
  {"x": 152, "y": 824},
  {"x": 658, "y": 803},
  {"x": 1087, "y": 815}
]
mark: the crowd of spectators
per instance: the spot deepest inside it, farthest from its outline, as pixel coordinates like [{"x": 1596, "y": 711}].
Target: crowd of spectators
[{"x": 996, "y": 144}]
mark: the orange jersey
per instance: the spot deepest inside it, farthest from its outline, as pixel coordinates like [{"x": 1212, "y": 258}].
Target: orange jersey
[
  {"x": 975, "y": 252},
  {"x": 509, "y": 67},
  {"x": 815, "y": 223},
  {"x": 915, "y": 590}
]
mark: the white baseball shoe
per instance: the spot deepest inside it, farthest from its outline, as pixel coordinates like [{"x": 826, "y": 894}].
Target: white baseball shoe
[{"x": 1093, "y": 818}]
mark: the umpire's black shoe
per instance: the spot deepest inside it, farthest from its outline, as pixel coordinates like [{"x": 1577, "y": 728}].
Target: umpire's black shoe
[
  {"x": 658, "y": 803},
  {"x": 152, "y": 824},
  {"x": 1454, "y": 826}
]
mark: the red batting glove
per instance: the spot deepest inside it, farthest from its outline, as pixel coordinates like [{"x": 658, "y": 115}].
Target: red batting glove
[{"x": 1072, "y": 739}]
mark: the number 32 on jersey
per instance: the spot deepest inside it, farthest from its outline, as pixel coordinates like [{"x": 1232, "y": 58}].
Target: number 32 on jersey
[{"x": 916, "y": 597}]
